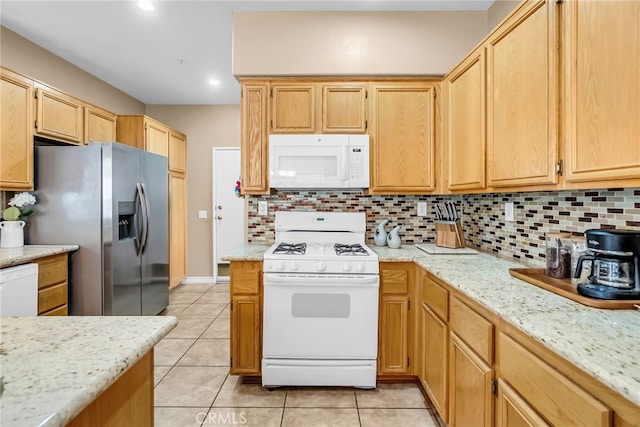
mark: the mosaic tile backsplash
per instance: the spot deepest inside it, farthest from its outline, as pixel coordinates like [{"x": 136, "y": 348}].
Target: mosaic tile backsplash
[{"x": 483, "y": 221}]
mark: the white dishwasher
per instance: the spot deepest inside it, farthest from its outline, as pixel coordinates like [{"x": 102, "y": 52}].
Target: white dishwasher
[{"x": 19, "y": 291}]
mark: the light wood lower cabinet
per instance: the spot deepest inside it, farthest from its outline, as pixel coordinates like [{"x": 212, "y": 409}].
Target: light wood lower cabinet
[
  {"x": 53, "y": 293},
  {"x": 246, "y": 318},
  {"x": 513, "y": 411},
  {"x": 177, "y": 228},
  {"x": 395, "y": 319},
  {"x": 16, "y": 132},
  {"x": 434, "y": 338}
]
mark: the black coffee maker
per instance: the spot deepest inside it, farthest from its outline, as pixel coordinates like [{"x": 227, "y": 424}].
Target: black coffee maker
[{"x": 614, "y": 256}]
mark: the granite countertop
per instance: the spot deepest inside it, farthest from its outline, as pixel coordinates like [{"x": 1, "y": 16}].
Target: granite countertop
[
  {"x": 22, "y": 255},
  {"x": 603, "y": 343},
  {"x": 54, "y": 367},
  {"x": 247, "y": 252}
]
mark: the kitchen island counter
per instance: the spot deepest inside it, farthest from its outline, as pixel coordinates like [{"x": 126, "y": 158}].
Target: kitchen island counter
[
  {"x": 16, "y": 256},
  {"x": 603, "y": 343},
  {"x": 54, "y": 367}
]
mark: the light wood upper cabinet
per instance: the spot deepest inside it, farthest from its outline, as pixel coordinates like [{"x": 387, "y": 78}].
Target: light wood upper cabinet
[
  {"x": 58, "y": 115},
  {"x": 156, "y": 137},
  {"x": 246, "y": 318},
  {"x": 344, "y": 108},
  {"x": 177, "y": 228},
  {"x": 522, "y": 98},
  {"x": 144, "y": 133},
  {"x": 602, "y": 94},
  {"x": 99, "y": 125},
  {"x": 254, "y": 142},
  {"x": 402, "y": 138},
  {"x": 177, "y": 152},
  {"x": 16, "y": 132},
  {"x": 464, "y": 92},
  {"x": 293, "y": 108}
]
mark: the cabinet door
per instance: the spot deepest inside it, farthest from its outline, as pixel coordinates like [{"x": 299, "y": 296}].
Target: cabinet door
[
  {"x": 293, "y": 108},
  {"x": 470, "y": 397},
  {"x": 99, "y": 125},
  {"x": 602, "y": 62},
  {"x": 254, "y": 143},
  {"x": 465, "y": 119},
  {"x": 58, "y": 115},
  {"x": 177, "y": 152},
  {"x": 156, "y": 137},
  {"x": 522, "y": 101},
  {"x": 433, "y": 360},
  {"x": 16, "y": 132},
  {"x": 402, "y": 138},
  {"x": 513, "y": 411},
  {"x": 344, "y": 108},
  {"x": 177, "y": 229},
  {"x": 246, "y": 318}
]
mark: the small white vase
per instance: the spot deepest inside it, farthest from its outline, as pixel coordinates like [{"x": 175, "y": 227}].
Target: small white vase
[
  {"x": 380, "y": 235},
  {"x": 11, "y": 234},
  {"x": 393, "y": 238}
]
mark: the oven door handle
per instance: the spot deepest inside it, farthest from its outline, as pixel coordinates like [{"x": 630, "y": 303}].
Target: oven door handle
[{"x": 310, "y": 280}]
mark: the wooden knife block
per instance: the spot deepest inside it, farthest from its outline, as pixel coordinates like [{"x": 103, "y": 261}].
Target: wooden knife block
[{"x": 449, "y": 234}]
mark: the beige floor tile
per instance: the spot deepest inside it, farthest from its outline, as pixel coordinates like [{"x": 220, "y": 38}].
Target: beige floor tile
[
  {"x": 220, "y": 287},
  {"x": 396, "y": 417},
  {"x": 226, "y": 313},
  {"x": 321, "y": 397},
  {"x": 179, "y": 417},
  {"x": 159, "y": 372},
  {"x": 189, "y": 328},
  {"x": 391, "y": 396},
  {"x": 320, "y": 417},
  {"x": 213, "y": 297},
  {"x": 246, "y": 417},
  {"x": 234, "y": 394},
  {"x": 220, "y": 328},
  {"x": 190, "y": 386},
  {"x": 207, "y": 352},
  {"x": 175, "y": 309},
  {"x": 169, "y": 350},
  {"x": 203, "y": 311},
  {"x": 184, "y": 297},
  {"x": 204, "y": 287}
]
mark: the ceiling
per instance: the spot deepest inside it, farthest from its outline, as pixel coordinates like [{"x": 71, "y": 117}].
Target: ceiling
[{"x": 169, "y": 55}]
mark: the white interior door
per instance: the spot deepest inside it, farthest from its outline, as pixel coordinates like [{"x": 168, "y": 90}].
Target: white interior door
[{"x": 228, "y": 209}]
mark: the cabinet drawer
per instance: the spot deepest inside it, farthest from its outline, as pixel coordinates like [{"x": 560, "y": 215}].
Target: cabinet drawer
[
  {"x": 52, "y": 297},
  {"x": 60, "y": 311},
  {"x": 52, "y": 270},
  {"x": 246, "y": 277},
  {"x": 555, "y": 397},
  {"x": 475, "y": 330},
  {"x": 436, "y": 297},
  {"x": 394, "y": 281}
]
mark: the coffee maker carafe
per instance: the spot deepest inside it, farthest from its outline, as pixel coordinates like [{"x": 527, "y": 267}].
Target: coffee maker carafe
[{"x": 614, "y": 256}]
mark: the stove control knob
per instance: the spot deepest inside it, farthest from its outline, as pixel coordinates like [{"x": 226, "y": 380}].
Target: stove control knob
[
  {"x": 360, "y": 267},
  {"x": 282, "y": 265},
  {"x": 346, "y": 267},
  {"x": 295, "y": 266},
  {"x": 322, "y": 266}
]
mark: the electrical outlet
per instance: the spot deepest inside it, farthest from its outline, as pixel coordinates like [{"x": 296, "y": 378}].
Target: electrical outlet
[
  {"x": 262, "y": 208},
  {"x": 422, "y": 208},
  {"x": 508, "y": 211},
  {"x": 202, "y": 214}
]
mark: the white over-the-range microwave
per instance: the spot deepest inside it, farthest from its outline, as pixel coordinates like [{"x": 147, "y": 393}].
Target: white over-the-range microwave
[{"x": 319, "y": 161}]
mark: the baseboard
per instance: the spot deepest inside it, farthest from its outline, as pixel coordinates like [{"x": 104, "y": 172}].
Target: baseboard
[
  {"x": 223, "y": 279},
  {"x": 197, "y": 280}
]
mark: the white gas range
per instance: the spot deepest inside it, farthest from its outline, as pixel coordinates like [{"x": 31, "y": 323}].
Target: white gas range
[{"x": 321, "y": 283}]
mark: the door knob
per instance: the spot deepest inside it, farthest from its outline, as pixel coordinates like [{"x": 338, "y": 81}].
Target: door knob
[
  {"x": 219, "y": 217},
  {"x": 219, "y": 207}
]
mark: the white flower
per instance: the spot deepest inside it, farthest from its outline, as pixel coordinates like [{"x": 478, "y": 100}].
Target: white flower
[{"x": 21, "y": 200}]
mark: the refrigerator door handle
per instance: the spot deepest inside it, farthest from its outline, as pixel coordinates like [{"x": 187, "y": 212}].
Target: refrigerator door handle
[
  {"x": 145, "y": 218},
  {"x": 139, "y": 219}
]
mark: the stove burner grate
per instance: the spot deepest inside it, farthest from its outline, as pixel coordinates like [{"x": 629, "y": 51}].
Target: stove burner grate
[
  {"x": 291, "y": 249},
  {"x": 354, "y": 249}
]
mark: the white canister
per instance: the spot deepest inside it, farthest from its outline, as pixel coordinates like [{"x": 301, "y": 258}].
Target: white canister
[{"x": 11, "y": 234}]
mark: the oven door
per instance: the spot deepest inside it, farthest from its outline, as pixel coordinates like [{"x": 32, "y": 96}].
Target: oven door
[{"x": 320, "y": 316}]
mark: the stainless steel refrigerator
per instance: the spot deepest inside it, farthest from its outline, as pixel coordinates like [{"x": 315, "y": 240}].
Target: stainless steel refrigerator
[{"x": 112, "y": 200}]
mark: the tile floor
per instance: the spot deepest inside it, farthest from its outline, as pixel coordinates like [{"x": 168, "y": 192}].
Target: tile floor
[{"x": 194, "y": 388}]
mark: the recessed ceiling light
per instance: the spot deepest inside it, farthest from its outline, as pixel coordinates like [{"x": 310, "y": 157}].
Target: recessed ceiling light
[
  {"x": 214, "y": 82},
  {"x": 146, "y": 5}
]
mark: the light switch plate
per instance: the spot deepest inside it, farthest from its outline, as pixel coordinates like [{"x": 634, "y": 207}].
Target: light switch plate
[
  {"x": 422, "y": 208},
  {"x": 508, "y": 211},
  {"x": 262, "y": 208},
  {"x": 202, "y": 214}
]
